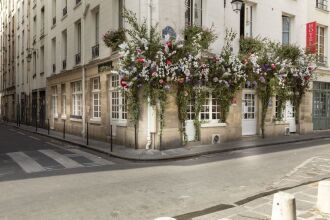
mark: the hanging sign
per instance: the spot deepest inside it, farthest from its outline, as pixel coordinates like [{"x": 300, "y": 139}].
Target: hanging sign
[{"x": 311, "y": 29}]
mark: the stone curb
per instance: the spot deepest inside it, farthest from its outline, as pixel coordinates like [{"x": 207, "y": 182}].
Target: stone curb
[{"x": 173, "y": 157}]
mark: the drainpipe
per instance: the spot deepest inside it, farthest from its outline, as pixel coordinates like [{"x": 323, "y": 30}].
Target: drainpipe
[
  {"x": 149, "y": 108},
  {"x": 83, "y": 72}
]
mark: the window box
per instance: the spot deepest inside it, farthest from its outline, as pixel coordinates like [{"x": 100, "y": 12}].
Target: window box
[{"x": 213, "y": 124}]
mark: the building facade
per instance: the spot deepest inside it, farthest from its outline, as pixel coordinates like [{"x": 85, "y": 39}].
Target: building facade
[{"x": 56, "y": 68}]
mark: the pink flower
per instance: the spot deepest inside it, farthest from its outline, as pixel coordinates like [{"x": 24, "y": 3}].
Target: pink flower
[
  {"x": 168, "y": 62},
  {"x": 154, "y": 74},
  {"x": 273, "y": 66},
  {"x": 140, "y": 60},
  {"x": 161, "y": 81}
]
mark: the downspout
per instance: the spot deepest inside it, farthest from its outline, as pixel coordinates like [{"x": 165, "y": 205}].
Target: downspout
[
  {"x": 150, "y": 109},
  {"x": 83, "y": 72}
]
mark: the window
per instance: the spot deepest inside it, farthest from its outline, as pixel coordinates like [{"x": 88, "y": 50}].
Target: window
[
  {"x": 194, "y": 15},
  {"x": 54, "y": 11},
  {"x": 42, "y": 60},
  {"x": 286, "y": 30},
  {"x": 320, "y": 45},
  {"x": 42, "y": 28},
  {"x": 96, "y": 102},
  {"x": 77, "y": 99},
  {"x": 54, "y": 101},
  {"x": 54, "y": 55},
  {"x": 118, "y": 102},
  {"x": 63, "y": 100},
  {"x": 78, "y": 42},
  {"x": 95, "y": 48},
  {"x": 65, "y": 7},
  {"x": 322, "y": 4},
  {"x": 64, "y": 49},
  {"x": 210, "y": 109}
]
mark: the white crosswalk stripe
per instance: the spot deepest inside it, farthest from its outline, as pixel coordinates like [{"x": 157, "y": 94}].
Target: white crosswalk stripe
[
  {"x": 28, "y": 164},
  {"x": 61, "y": 159},
  {"x": 70, "y": 158},
  {"x": 98, "y": 160}
]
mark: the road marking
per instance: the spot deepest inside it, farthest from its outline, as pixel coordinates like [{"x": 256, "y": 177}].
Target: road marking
[
  {"x": 20, "y": 133},
  {"x": 98, "y": 160},
  {"x": 26, "y": 163},
  {"x": 61, "y": 159},
  {"x": 37, "y": 139},
  {"x": 300, "y": 166}
]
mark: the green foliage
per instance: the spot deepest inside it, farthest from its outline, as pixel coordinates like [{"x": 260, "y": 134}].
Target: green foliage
[
  {"x": 249, "y": 45},
  {"x": 205, "y": 37},
  {"x": 114, "y": 38}
]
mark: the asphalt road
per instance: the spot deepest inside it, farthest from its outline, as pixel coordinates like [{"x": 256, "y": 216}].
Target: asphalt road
[{"x": 66, "y": 182}]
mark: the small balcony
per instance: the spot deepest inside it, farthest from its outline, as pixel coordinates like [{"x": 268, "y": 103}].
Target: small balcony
[
  {"x": 78, "y": 58},
  {"x": 65, "y": 11},
  {"x": 64, "y": 64},
  {"x": 95, "y": 51},
  {"x": 54, "y": 68}
]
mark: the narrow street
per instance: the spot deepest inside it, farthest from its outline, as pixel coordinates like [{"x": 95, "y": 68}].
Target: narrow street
[{"x": 46, "y": 179}]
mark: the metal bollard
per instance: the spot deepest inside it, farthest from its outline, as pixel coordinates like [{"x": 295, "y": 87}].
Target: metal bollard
[
  {"x": 111, "y": 138},
  {"x": 64, "y": 129},
  {"x": 48, "y": 127},
  {"x": 87, "y": 133}
]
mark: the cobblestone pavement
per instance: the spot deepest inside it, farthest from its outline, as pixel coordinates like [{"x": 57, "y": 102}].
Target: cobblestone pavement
[{"x": 305, "y": 194}]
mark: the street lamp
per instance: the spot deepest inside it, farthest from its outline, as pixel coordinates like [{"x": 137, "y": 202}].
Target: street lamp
[{"x": 237, "y": 5}]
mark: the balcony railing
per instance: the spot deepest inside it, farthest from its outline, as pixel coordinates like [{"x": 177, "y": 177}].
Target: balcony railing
[
  {"x": 65, "y": 10},
  {"x": 64, "y": 64},
  {"x": 322, "y": 4},
  {"x": 54, "y": 68},
  {"x": 322, "y": 60},
  {"x": 78, "y": 58},
  {"x": 95, "y": 51}
]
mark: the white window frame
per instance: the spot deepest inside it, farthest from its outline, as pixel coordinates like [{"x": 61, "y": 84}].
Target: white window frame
[
  {"x": 321, "y": 49},
  {"x": 77, "y": 99},
  {"x": 118, "y": 105},
  {"x": 286, "y": 31},
  {"x": 248, "y": 20},
  {"x": 54, "y": 102},
  {"x": 96, "y": 99},
  {"x": 322, "y": 4}
]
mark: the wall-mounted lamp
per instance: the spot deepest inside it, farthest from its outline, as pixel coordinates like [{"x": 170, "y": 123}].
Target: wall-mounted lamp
[{"x": 237, "y": 5}]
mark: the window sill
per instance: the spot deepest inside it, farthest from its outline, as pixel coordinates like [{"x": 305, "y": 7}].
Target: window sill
[
  {"x": 75, "y": 119},
  {"x": 64, "y": 17},
  {"x": 280, "y": 123},
  {"x": 322, "y": 10},
  {"x": 95, "y": 121},
  {"x": 213, "y": 125},
  {"x": 122, "y": 123}
]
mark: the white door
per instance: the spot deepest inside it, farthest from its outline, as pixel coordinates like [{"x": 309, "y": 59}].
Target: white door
[
  {"x": 290, "y": 116},
  {"x": 189, "y": 124},
  {"x": 249, "y": 121}
]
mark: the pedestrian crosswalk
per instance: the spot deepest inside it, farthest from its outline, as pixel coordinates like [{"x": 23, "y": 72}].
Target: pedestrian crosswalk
[{"x": 50, "y": 159}]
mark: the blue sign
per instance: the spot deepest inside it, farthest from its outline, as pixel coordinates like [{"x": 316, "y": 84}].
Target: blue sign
[{"x": 169, "y": 31}]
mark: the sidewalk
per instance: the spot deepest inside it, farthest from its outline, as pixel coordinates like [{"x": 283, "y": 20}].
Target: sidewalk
[
  {"x": 261, "y": 208},
  {"x": 176, "y": 153}
]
